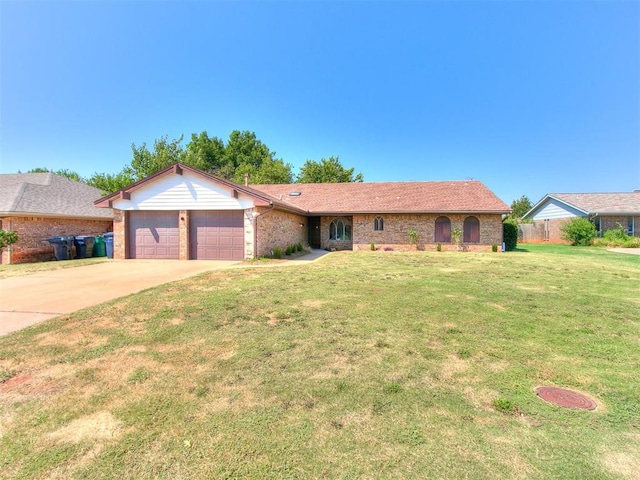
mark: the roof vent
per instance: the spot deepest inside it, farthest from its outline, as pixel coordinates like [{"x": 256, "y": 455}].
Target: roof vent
[{"x": 295, "y": 194}]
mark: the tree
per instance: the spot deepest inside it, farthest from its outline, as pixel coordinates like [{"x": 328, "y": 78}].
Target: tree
[
  {"x": 165, "y": 153},
  {"x": 327, "y": 171},
  {"x": 249, "y": 155},
  {"x": 520, "y": 207},
  {"x": 208, "y": 154},
  {"x": 110, "y": 183}
]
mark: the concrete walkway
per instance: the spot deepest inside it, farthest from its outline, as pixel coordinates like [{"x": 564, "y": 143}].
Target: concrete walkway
[
  {"x": 30, "y": 299},
  {"x": 631, "y": 251}
]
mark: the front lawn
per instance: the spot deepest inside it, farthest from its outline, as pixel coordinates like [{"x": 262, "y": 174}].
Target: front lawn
[
  {"x": 39, "y": 267},
  {"x": 361, "y": 365}
]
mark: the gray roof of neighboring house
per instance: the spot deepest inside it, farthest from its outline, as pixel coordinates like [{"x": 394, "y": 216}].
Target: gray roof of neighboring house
[
  {"x": 48, "y": 194},
  {"x": 622, "y": 203}
]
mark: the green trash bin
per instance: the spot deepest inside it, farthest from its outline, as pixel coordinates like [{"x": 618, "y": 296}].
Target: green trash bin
[{"x": 99, "y": 248}]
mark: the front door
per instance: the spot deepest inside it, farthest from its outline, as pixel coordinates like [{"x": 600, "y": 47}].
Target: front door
[{"x": 315, "y": 237}]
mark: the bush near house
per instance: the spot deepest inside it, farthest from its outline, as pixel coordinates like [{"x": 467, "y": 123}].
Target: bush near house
[
  {"x": 617, "y": 237},
  {"x": 7, "y": 237},
  {"x": 579, "y": 231},
  {"x": 510, "y": 235}
]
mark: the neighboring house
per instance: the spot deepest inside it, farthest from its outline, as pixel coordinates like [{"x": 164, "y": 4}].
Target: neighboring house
[
  {"x": 184, "y": 213},
  {"x": 42, "y": 205},
  {"x": 605, "y": 210}
]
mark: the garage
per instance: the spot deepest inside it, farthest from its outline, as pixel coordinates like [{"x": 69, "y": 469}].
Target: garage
[
  {"x": 154, "y": 234},
  {"x": 216, "y": 235}
]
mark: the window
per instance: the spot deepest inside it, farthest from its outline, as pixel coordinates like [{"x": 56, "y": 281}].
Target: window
[
  {"x": 471, "y": 230},
  {"x": 443, "y": 229},
  {"x": 630, "y": 226},
  {"x": 339, "y": 230},
  {"x": 378, "y": 224}
]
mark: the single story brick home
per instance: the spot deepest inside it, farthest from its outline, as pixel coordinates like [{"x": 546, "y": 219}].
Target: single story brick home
[
  {"x": 605, "y": 210},
  {"x": 184, "y": 213},
  {"x": 42, "y": 205}
]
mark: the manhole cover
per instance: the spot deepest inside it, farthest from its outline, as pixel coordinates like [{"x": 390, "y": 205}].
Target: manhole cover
[{"x": 566, "y": 398}]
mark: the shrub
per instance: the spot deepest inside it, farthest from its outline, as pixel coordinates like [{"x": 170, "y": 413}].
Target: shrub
[
  {"x": 277, "y": 253},
  {"x": 456, "y": 236},
  {"x": 579, "y": 231},
  {"x": 298, "y": 247},
  {"x": 413, "y": 236},
  {"x": 7, "y": 237},
  {"x": 439, "y": 247},
  {"x": 372, "y": 246},
  {"x": 289, "y": 250},
  {"x": 510, "y": 235},
  {"x": 494, "y": 247}
]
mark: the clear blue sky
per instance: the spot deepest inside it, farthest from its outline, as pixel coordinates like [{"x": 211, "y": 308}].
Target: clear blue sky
[{"x": 528, "y": 97}]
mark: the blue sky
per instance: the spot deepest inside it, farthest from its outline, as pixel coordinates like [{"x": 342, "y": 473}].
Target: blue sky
[{"x": 528, "y": 97}]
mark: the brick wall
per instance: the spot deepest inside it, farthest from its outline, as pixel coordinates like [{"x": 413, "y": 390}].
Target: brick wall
[
  {"x": 611, "y": 223},
  {"x": 120, "y": 227},
  {"x": 279, "y": 229},
  {"x": 32, "y": 244},
  {"x": 396, "y": 231}
]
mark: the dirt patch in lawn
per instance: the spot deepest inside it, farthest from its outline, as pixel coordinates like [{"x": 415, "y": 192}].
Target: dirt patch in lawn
[{"x": 99, "y": 426}]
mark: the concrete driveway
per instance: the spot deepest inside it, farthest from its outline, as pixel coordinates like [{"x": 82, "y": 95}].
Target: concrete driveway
[{"x": 30, "y": 299}]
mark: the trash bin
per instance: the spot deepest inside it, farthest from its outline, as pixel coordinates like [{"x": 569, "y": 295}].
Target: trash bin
[
  {"x": 61, "y": 247},
  {"x": 108, "y": 242},
  {"x": 84, "y": 246},
  {"x": 99, "y": 250}
]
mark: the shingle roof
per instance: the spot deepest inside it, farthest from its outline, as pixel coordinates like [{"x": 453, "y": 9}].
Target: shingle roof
[
  {"x": 48, "y": 194},
  {"x": 388, "y": 197},
  {"x": 602, "y": 203}
]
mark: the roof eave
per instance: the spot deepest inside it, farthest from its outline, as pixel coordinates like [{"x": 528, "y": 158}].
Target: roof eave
[{"x": 55, "y": 215}]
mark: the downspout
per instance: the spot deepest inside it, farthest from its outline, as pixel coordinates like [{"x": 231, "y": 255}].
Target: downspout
[{"x": 255, "y": 229}]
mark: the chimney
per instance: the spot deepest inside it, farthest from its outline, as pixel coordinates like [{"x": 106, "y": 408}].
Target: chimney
[{"x": 246, "y": 179}]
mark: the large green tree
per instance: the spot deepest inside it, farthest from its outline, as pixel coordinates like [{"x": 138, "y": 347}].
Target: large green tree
[
  {"x": 520, "y": 206},
  {"x": 327, "y": 170}
]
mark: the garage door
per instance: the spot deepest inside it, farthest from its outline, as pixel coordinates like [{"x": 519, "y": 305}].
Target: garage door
[
  {"x": 154, "y": 235},
  {"x": 217, "y": 235}
]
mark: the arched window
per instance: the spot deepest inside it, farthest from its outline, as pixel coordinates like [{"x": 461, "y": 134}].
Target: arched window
[
  {"x": 443, "y": 230},
  {"x": 378, "y": 224},
  {"x": 471, "y": 230},
  {"x": 339, "y": 230}
]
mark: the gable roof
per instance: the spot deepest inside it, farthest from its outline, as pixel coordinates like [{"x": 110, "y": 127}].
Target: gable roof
[
  {"x": 623, "y": 203},
  {"x": 260, "y": 198},
  {"x": 389, "y": 197},
  {"x": 49, "y": 195}
]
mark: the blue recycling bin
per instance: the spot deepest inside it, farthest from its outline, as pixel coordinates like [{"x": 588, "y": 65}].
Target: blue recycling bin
[
  {"x": 84, "y": 246},
  {"x": 61, "y": 247},
  {"x": 108, "y": 242}
]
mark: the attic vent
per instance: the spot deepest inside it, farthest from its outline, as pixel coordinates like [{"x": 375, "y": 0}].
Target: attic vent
[{"x": 295, "y": 194}]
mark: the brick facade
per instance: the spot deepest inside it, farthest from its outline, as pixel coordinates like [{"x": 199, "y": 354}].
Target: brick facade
[
  {"x": 279, "y": 229},
  {"x": 396, "y": 231},
  {"x": 33, "y": 232},
  {"x": 120, "y": 234}
]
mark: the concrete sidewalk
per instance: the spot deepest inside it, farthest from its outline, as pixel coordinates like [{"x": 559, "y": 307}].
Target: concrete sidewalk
[{"x": 30, "y": 299}]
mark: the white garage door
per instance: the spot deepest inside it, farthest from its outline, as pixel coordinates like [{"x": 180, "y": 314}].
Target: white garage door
[
  {"x": 154, "y": 235},
  {"x": 217, "y": 235}
]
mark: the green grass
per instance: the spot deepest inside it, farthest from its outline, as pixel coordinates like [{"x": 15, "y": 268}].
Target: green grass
[
  {"x": 362, "y": 365},
  {"x": 30, "y": 268}
]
